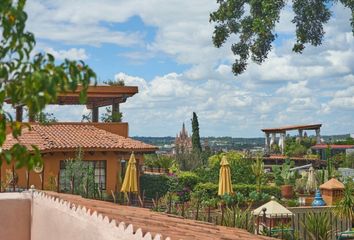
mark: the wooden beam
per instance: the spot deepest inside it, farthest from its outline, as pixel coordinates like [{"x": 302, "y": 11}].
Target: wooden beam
[
  {"x": 19, "y": 113},
  {"x": 95, "y": 113}
]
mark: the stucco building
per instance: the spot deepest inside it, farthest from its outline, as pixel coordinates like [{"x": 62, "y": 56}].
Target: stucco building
[{"x": 106, "y": 146}]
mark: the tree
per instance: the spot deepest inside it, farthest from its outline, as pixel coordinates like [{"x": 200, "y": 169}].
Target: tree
[
  {"x": 45, "y": 118},
  {"x": 255, "y": 30},
  {"x": 81, "y": 176},
  {"x": 197, "y": 147},
  {"x": 31, "y": 81},
  {"x": 108, "y": 116}
]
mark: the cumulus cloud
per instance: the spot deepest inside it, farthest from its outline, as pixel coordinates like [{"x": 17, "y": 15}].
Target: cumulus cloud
[
  {"x": 71, "y": 54},
  {"x": 288, "y": 88}
]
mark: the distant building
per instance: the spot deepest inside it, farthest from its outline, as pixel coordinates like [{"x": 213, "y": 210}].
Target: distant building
[
  {"x": 183, "y": 142},
  {"x": 332, "y": 149}
]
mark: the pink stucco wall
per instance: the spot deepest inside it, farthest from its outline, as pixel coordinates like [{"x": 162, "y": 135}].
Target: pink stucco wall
[
  {"x": 15, "y": 212},
  {"x": 36, "y": 216}
]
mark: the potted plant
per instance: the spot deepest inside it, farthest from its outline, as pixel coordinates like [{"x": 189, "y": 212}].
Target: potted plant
[{"x": 288, "y": 177}]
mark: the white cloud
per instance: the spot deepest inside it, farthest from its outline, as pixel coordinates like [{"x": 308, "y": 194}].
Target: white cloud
[
  {"x": 71, "y": 54},
  {"x": 298, "y": 89},
  {"x": 287, "y": 88}
]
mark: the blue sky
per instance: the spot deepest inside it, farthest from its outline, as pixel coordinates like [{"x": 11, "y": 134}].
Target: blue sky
[{"x": 164, "y": 48}]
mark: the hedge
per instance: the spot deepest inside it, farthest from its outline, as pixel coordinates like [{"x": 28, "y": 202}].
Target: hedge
[
  {"x": 245, "y": 189},
  {"x": 187, "y": 179},
  {"x": 152, "y": 184}
]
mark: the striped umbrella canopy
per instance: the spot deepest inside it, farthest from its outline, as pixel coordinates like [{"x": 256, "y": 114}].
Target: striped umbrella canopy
[
  {"x": 130, "y": 183},
  {"x": 225, "y": 185}
]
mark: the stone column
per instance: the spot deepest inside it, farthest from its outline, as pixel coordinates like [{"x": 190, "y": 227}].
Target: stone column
[
  {"x": 272, "y": 140},
  {"x": 318, "y": 136},
  {"x": 300, "y": 134},
  {"x": 267, "y": 142},
  {"x": 282, "y": 143}
]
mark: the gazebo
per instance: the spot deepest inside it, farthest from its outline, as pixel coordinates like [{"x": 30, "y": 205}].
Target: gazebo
[
  {"x": 332, "y": 191},
  {"x": 272, "y": 214}
]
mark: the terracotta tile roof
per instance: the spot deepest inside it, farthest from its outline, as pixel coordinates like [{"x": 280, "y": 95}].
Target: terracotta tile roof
[
  {"x": 54, "y": 137},
  {"x": 171, "y": 226},
  {"x": 283, "y": 157},
  {"x": 332, "y": 146},
  {"x": 332, "y": 184}
]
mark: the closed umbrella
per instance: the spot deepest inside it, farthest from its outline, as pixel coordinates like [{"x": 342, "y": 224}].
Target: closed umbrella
[
  {"x": 225, "y": 186},
  {"x": 130, "y": 183},
  {"x": 311, "y": 183}
]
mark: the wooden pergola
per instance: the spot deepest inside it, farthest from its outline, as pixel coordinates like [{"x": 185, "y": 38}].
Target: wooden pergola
[
  {"x": 97, "y": 96},
  {"x": 271, "y": 134}
]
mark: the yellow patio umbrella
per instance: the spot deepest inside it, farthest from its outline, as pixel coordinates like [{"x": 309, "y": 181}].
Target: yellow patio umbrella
[
  {"x": 225, "y": 185},
  {"x": 130, "y": 183}
]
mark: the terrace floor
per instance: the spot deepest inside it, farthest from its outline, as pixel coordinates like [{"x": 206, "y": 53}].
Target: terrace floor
[{"x": 168, "y": 225}]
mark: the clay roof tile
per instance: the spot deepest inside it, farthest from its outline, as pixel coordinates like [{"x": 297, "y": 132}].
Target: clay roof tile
[{"x": 56, "y": 136}]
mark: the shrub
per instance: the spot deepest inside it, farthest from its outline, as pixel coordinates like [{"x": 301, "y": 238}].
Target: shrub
[
  {"x": 240, "y": 167},
  {"x": 187, "y": 179},
  {"x": 209, "y": 189},
  {"x": 152, "y": 184},
  {"x": 244, "y": 189}
]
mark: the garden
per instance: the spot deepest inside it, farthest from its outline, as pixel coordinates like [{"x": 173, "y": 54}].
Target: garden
[{"x": 193, "y": 194}]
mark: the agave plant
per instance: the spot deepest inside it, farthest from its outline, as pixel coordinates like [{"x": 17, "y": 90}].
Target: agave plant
[
  {"x": 317, "y": 226},
  {"x": 239, "y": 218}
]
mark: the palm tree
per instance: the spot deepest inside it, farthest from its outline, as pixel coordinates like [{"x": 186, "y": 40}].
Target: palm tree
[{"x": 344, "y": 208}]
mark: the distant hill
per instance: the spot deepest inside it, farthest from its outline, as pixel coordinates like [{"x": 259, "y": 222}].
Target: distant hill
[{"x": 227, "y": 143}]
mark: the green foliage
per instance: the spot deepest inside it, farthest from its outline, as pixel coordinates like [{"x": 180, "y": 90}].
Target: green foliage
[
  {"x": 188, "y": 179},
  {"x": 348, "y": 141},
  {"x": 255, "y": 27},
  {"x": 293, "y": 148},
  {"x": 318, "y": 226},
  {"x": 108, "y": 116},
  {"x": 212, "y": 189},
  {"x": 81, "y": 175},
  {"x": 152, "y": 184},
  {"x": 240, "y": 167},
  {"x": 189, "y": 161},
  {"x": 119, "y": 82},
  {"x": 31, "y": 81},
  {"x": 259, "y": 197},
  {"x": 258, "y": 171},
  {"x": 348, "y": 161},
  {"x": 45, "y": 118},
  {"x": 321, "y": 176},
  {"x": 345, "y": 207},
  {"x": 247, "y": 189},
  {"x": 282, "y": 175},
  {"x": 209, "y": 190},
  {"x": 292, "y": 203},
  {"x": 197, "y": 147},
  {"x": 239, "y": 218},
  {"x": 157, "y": 160}
]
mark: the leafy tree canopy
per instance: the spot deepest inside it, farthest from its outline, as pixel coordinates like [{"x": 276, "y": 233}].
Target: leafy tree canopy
[
  {"x": 253, "y": 22},
  {"x": 29, "y": 79}
]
